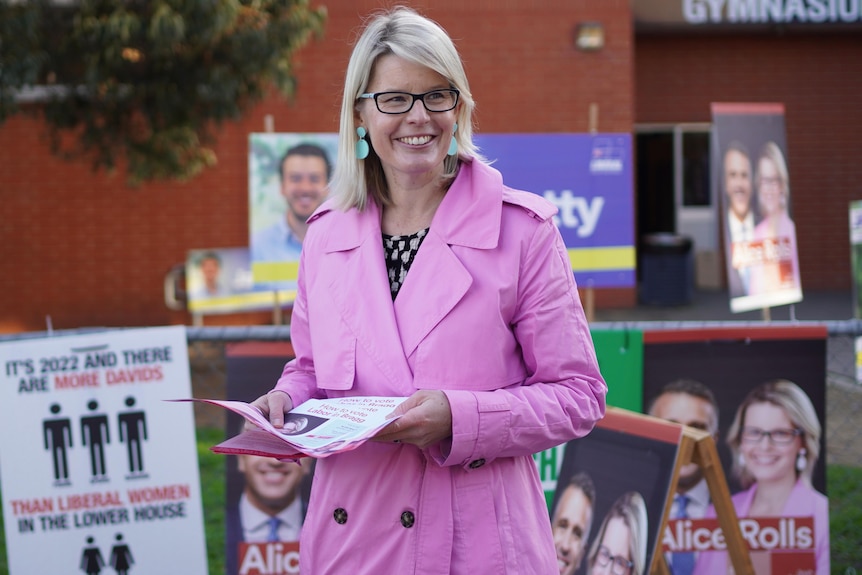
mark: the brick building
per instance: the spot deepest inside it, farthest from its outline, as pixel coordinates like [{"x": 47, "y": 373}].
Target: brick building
[{"x": 86, "y": 250}]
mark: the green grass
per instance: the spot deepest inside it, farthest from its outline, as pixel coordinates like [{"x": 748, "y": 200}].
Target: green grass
[
  {"x": 844, "y": 485},
  {"x": 212, "y": 467},
  {"x": 845, "y": 509}
]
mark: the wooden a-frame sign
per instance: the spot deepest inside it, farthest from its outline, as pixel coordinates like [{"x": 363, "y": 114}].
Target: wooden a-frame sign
[
  {"x": 697, "y": 446},
  {"x": 625, "y": 441}
]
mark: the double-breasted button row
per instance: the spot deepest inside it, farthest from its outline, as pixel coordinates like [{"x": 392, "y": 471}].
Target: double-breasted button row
[{"x": 407, "y": 518}]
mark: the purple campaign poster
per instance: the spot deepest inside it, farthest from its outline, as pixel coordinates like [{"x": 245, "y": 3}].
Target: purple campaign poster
[{"x": 589, "y": 178}]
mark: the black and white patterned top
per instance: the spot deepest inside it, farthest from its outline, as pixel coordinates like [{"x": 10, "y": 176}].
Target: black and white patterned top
[{"x": 400, "y": 252}]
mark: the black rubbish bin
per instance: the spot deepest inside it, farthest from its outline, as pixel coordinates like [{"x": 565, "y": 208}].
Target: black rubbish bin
[{"x": 667, "y": 269}]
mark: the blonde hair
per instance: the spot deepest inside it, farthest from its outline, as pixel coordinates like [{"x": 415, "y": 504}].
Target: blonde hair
[
  {"x": 631, "y": 508},
  {"x": 406, "y": 34},
  {"x": 773, "y": 153},
  {"x": 799, "y": 409}
]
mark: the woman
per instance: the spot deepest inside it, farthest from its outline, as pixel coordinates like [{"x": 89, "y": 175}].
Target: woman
[
  {"x": 425, "y": 277},
  {"x": 620, "y": 546},
  {"x": 780, "y": 268},
  {"x": 775, "y": 442}
]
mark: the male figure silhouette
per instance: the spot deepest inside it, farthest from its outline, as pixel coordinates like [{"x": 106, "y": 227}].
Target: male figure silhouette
[
  {"x": 94, "y": 432},
  {"x": 58, "y": 437},
  {"x": 133, "y": 428}
]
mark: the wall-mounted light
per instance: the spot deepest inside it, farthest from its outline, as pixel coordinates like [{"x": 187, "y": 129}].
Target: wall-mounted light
[{"x": 590, "y": 36}]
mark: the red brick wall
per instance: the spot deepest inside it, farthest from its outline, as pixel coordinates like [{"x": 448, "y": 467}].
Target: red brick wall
[
  {"x": 86, "y": 250},
  {"x": 818, "y": 78}
]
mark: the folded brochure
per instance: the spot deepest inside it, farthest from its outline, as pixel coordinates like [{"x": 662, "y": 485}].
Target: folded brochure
[{"x": 316, "y": 428}]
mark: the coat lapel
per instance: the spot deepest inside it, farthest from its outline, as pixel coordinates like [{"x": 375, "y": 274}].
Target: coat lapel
[
  {"x": 435, "y": 283},
  {"x": 360, "y": 291},
  {"x": 469, "y": 217}
]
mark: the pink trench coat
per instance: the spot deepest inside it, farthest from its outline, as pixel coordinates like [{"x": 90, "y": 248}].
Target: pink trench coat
[{"x": 489, "y": 313}]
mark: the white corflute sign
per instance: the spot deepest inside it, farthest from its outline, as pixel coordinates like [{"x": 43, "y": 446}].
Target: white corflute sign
[{"x": 99, "y": 474}]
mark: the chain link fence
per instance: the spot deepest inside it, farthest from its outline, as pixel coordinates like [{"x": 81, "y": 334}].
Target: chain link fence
[
  {"x": 843, "y": 394},
  {"x": 843, "y": 401}
]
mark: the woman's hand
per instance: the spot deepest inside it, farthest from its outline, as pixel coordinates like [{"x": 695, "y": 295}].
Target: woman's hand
[
  {"x": 272, "y": 405},
  {"x": 426, "y": 418}
]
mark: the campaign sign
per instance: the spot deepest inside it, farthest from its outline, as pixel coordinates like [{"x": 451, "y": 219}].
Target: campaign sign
[
  {"x": 288, "y": 176},
  {"x": 612, "y": 493},
  {"x": 589, "y": 178},
  {"x": 750, "y": 167},
  {"x": 220, "y": 281},
  {"x": 253, "y": 367},
  {"x": 96, "y": 467}
]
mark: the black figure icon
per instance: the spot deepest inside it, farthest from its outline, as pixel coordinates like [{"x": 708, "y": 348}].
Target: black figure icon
[
  {"x": 133, "y": 429},
  {"x": 94, "y": 431},
  {"x": 121, "y": 556},
  {"x": 58, "y": 438},
  {"x": 91, "y": 559}
]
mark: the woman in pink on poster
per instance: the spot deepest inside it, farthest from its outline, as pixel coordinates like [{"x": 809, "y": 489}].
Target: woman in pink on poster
[
  {"x": 780, "y": 268},
  {"x": 775, "y": 442}
]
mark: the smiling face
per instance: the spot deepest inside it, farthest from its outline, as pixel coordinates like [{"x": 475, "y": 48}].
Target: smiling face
[
  {"x": 270, "y": 484},
  {"x": 765, "y": 460},
  {"x": 210, "y": 269},
  {"x": 303, "y": 185},
  {"x": 737, "y": 182},
  {"x": 413, "y": 145},
  {"x": 616, "y": 541},
  {"x": 692, "y": 411},
  {"x": 571, "y": 526},
  {"x": 770, "y": 191}
]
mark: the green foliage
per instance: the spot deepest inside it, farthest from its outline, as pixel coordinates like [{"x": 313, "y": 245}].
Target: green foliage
[
  {"x": 147, "y": 81},
  {"x": 845, "y": 518},
  {"x": 20, "y": 56}
]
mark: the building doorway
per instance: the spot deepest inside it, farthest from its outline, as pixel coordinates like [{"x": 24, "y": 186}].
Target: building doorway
[{"x": 675, "y": 193}]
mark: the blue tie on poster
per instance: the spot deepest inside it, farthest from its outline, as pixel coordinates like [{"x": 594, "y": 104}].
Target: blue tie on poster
[
  {"x": 682, "y": 562},
  {"x": 589, "y": 178}
]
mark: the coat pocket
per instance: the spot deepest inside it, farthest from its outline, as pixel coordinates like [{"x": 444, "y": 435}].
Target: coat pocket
[
  {"x": 478, "y": 546},
  {"x": 335, "y": 364}
]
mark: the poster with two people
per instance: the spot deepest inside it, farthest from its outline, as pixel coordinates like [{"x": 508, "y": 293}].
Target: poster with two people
[{"x": 750, "y": 163}]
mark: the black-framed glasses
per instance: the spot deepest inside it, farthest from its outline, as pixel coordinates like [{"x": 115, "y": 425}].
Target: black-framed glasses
[
  {"x": 402, "y": 102},
  {"x": 619, "y": 564},
  {"x": 776, "y": 436}
]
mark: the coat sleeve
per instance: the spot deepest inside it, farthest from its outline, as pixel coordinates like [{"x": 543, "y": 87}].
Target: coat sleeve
[{"x": 564, "y": 393}]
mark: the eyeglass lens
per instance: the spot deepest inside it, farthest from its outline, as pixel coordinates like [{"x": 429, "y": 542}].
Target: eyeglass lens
[
  {"x": 401, "y": 102},
  {"x": 779, "y": 436},
  {"x": 619, "y": 565}
]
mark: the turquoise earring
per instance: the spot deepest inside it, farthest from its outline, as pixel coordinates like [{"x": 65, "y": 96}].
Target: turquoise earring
[
  {"x": 453, "y": 145},
  {"x": 361, "y": 144}
]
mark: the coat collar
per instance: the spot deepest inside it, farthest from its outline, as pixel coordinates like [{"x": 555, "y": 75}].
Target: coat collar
[{"x": 469, "y": 214}]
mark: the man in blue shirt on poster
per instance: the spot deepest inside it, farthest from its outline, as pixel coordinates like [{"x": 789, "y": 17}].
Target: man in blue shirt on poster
[{"x": 304, "y": 172}]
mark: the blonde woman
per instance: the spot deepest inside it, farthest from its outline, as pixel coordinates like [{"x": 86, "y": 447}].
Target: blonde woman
[
  {"x": 427, "y": 278},
  {"x": 780, "y": 267},
  {"x": 775, "y": 442},
  {"x": 620, "y": 546}
]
